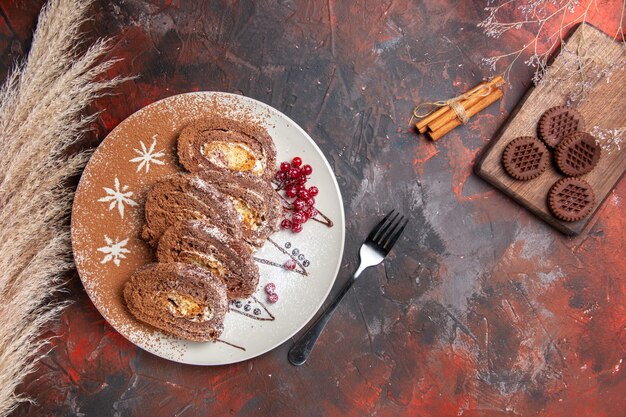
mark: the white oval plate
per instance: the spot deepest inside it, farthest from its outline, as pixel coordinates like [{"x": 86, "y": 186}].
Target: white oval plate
[{"x": 107, "y": 217}]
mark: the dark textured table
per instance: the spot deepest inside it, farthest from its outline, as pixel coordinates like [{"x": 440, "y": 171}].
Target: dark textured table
[{"x": 481, "y": 311}]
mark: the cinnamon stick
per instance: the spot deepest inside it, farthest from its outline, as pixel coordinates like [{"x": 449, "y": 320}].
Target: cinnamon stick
[
  {"x": 444, "y": 114},
  {"x": 449, "y": 115},
  {"x": 484, "y": 102},
  {"x": 422, "y": 124},
  {"x": 444, "y": 119}
]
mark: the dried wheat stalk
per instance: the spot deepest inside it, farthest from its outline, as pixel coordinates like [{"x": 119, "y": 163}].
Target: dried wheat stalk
[{"x": 40, "y": 106}]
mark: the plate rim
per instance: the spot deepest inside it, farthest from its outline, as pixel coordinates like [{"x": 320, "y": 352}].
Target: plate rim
[{"x": 271, "y": 109}]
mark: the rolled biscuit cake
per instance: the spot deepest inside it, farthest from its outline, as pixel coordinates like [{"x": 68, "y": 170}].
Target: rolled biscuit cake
[
  {"x": 257, "y": 204},
  {"x": 181, "y": 299},
  {"x": 185, "y": 196},
  {"x": 201, "y": 243},
  {"x": 226, "y": 144}
]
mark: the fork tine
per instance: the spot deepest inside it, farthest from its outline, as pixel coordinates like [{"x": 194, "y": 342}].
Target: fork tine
[
  {"x": 395, "y": 237},
  {"x": 390, "y": 230},
  {"x": 386, "y": 228},
  {"x": 379, "y": 225}
]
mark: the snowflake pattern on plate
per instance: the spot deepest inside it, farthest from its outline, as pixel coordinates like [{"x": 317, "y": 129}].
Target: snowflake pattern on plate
[
  {"x": 148, "y": 155},
  {"x": 118, "y": 196},
  {"x": 114, "y": 251}
]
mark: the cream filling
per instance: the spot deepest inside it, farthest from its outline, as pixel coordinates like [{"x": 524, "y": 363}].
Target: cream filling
[
  {"x": 235, "y": 156},
  {"x": 259, "y": 167},
  {"x": 248, "y": 216},
  {"x": 184, "y": 306},
  {"x": 206, "y": 261}
]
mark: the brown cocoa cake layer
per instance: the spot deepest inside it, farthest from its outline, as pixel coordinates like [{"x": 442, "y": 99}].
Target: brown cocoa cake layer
[
  {"x": 202, "y": 243},
  {"x": 181, "y": 197},
  {"x": 181, "y": 299},
  {"x": 257, "y": 203},
  {"x": 229, "y": 145}
]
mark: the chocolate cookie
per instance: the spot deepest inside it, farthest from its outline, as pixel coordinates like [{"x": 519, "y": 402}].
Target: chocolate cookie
[
  {"x": 577, "y": 154},
  {"x": 228, "y": 145},
  {"x": 181, "y": 299},
  {"x": 571, "y": 199},
  {"x": 525, "y": 158},
  {"x": 201, "y": 243},
  {"x": 256, "y": 203},
  {"x": 557, "y": 123},
  {"x": 186, "y": 196}
]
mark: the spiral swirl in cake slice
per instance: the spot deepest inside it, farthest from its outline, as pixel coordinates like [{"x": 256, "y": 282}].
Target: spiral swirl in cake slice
[
  {"x": 181, "y": 197},
  {"x": 257, "y": 204},
  {"x": 181, "y": 299},
  {"x": 201, "y": 243},
  {"x": 226, "y": 144}
]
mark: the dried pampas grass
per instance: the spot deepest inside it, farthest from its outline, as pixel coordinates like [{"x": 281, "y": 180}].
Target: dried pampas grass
[{"x": 40, "y": 118}]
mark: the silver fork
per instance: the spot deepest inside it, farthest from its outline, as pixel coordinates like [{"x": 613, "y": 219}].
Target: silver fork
[{"x": 377, "y": 245}]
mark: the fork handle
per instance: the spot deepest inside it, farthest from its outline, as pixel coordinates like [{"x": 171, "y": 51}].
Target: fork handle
[{"x": 300, "y": 351}]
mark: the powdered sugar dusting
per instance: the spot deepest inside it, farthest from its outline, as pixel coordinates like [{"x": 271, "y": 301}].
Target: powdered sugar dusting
[
  {"x": 114, "y": 250},
  {"x": 213, "y": 232},
  {"x": 118, "y": 196},
  {"x": 147, "y": 155},
  {"x": 202, "y": 185}
]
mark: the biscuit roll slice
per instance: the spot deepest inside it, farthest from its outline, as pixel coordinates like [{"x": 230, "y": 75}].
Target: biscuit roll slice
[
  {"x": 181, "y": 197},
  {"x": 257, "y": 204},
  {"x": 181, "y": 299},
  {"x": 201, "y": 243},
  {"x": 229, "y": 145}
]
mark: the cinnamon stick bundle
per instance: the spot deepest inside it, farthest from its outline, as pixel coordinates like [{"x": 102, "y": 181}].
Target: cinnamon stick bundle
[{"x": 451, "y": 115}]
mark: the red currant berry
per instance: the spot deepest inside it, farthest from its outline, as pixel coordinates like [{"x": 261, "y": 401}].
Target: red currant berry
[
  {"x": 301, "y": 179},
  {"x": 299, "y": 205},
  {"x": 296, "y": 228},
  {"x": 291, "y": 191},
  {"x": 296, "y": 162},
  {"x": 285, "y": 167},
  {"x": 310, "y": 201},
  {"x": 290, "y": 265},
  {"x": 297, "y": 219},
  {"x": 270, "y": 288},
  {"x": 310, "y": 211},
  {"x": 303, "y": 194},
  {"x": 285, "y": 224},
  {"x": 300, "y": 187},
  {"x": 280, "y": 176},
  {"x": 272, "y": 298},
  {"x": 313, "y": 191},
  {"x": 307, "y": 170},
  {"x": 294, "y": 173}
]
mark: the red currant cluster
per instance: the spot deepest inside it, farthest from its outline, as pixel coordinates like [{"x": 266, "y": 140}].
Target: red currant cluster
[
  {"x": 292, "y": 178},
  {"x": 270, "y": 290}
]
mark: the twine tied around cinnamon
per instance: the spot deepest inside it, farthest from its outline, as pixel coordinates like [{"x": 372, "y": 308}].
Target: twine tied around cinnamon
[
  {"x": 482, "y": 90},
  {"x": 443, "y": 116}
]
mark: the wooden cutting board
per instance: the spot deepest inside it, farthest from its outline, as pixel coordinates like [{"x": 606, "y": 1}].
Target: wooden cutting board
[{"x": 604, "y": 107}]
